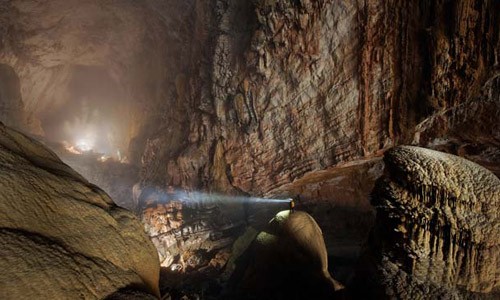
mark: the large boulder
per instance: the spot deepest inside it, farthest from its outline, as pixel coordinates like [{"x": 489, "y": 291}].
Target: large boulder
[
  {"x": 437, "y": 231},
  {"x": 61, "y": 237},
  {"x": 288, "y": 260}
]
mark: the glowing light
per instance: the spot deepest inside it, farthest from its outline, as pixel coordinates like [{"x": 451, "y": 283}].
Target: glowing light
[
  {"x": 72, "y": 149},
  {"x": 176, "y": 267},
  {"x": 83, "y": 145},
  {"x": 103, "y": 158}
]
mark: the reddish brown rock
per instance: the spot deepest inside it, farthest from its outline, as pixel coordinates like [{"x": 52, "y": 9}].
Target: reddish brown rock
[{"x": 251, "y": 96}]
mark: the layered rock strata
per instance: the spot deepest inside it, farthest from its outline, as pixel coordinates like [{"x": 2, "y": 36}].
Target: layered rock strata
[
  {"x": 62, "y": 237},
  {"x": 190, "y": 234},
  {"x": 437, "y": 228},
  {"x": 291, "y": 88},
  {"x": 251, "y": 96}
]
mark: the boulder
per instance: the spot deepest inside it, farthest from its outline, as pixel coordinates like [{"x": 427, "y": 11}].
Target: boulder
[
  {"x": 288, "y": 260},
  {"x": 62, "y": 237},
  {"x": 437, "y": 231}
]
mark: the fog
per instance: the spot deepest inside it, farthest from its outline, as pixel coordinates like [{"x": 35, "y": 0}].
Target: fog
[{"x": 91, "y": 114}]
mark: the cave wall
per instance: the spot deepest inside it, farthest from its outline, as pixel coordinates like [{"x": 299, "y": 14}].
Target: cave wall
[
  {"x": 282, "y": 89},
  {"x": 251, "y": 96},
  {"x": 48, "y": 42},
  {"x": 11, "y": 104},
  {"x": 266, "y": 98}
]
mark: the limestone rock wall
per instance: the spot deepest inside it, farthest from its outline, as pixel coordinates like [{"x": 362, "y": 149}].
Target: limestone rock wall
[
  {"x": 436, "y": 232},
  {"x": 62, "y": 237},
  {"x": 470, "y": 130},
  {"x": 11, "y": 104},
  {"x": 282, "y": 89},
  {"x": 249, "y": 96}
]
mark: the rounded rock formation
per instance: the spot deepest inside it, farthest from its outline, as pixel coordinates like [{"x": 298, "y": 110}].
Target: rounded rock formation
[
  {"x": 288, "y": 260},
  {"x": 437, "y": 228},
  {"x": 62, "y": 237}
]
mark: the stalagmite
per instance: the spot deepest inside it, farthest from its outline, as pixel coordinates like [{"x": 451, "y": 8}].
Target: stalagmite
[{"x": 453, "y": 205}]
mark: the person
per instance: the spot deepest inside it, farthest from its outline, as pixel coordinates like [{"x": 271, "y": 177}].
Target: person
[{"x": 293, "y": 202}]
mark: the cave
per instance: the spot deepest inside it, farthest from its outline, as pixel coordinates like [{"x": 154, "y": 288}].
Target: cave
[
  {"x": 249, "y": 149},
  {"x": 92, "y": 114}
]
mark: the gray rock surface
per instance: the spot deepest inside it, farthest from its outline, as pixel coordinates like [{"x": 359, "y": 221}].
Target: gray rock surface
[
  {"x": 62, "y": 237},
  {"x": 11, "y": 105},
  {"x": 437, "y": 228}
]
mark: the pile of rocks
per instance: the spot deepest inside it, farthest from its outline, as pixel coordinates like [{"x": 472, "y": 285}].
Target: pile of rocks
[{"x": 189, "y": 234}]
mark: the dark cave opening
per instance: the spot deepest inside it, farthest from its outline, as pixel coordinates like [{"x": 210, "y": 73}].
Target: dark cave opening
[{"x": 11, "y": 105}]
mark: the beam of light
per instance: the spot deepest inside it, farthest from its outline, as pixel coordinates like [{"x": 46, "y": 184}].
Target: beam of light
[{"x": 196, "y": 196}]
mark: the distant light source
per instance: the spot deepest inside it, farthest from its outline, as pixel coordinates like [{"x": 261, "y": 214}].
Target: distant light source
[{"x": 83, "y": 145}]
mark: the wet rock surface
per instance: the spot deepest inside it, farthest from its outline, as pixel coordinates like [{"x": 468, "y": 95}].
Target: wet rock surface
[
  {"x": 62, "y": 237},
  {"x": 436, "y": 233}
]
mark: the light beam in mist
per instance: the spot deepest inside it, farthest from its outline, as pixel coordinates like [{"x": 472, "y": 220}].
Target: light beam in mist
[{"x": 196, "y": 196}]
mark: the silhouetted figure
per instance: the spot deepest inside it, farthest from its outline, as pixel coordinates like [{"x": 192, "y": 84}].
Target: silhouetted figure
[{"x": 292, "y": 205}]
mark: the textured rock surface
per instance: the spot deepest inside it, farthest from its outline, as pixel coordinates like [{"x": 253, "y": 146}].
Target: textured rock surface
[
  {"x": 11, "y": 105},
  {"x": 250, "y": 96},
  {"x": 288, "y": 260},
  {"x": 437, "y": 228},
  {"x": 62, "y": 237},
  {"x": 470, "y": 130},
  {"x": 290, "y": 88},
  {"x": 264, "y": 97},
  {"x": 188, "y": 233}
]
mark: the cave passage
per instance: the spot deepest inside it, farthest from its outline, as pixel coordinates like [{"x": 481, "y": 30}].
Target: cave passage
[{"x": 89, "y": 114}]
